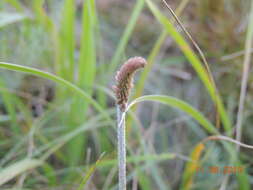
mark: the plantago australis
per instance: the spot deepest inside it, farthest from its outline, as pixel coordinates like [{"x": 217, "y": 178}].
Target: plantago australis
[{"x": 124, "y": 83}]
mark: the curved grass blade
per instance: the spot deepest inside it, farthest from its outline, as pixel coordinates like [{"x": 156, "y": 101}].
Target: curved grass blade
[
  {"x": 67, "y": 40},
  {"x": 59, "y": 80},
  {"x": 179, "y": 104}
]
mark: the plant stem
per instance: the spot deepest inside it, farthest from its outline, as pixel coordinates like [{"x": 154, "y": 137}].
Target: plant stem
[
  {"x": 245, "y": 76},
  {"x": 121, "y": 149}
]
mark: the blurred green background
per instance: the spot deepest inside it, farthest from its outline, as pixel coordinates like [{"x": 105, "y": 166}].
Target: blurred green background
[{"x": 53, "y": 138}]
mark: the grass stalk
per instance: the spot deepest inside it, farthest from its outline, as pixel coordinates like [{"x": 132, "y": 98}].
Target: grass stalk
[
  {"x": 121, "y": 148},
  {"x": 245, "y": 75}
]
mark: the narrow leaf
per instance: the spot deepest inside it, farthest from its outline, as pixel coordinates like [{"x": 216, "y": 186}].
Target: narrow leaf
[
  {"x": 18, "y": 168},
  {"x": 181, "y": 105}
]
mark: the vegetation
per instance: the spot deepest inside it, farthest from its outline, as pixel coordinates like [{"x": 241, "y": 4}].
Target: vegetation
[{"x": 188, "y": 117}]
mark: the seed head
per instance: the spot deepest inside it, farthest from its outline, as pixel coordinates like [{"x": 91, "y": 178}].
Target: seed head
[{"x": 124, "y": 80}]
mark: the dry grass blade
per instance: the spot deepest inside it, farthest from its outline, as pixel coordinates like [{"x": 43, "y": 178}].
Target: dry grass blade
[
  {"x": 234, "y": 55},
  {"x": 192, "y": 167},
  {"x": 225, "y": 138},
  {"x": 191, "y": 39},
  {"x": 201, "y": 55},
  {"x": 245, "y": 75}
]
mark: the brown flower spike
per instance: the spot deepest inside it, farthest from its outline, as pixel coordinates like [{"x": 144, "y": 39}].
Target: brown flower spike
[{"x": 124, "y": 79}]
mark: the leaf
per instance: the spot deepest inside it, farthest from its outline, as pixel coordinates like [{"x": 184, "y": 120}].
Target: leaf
[
  {"x": 59, "y": 80},
  {"x": 67, "y": 40},
  {"x": 87, "y": 61},
  {"x": 18, "y": 168},
  {"x": 179, "y": 104}
]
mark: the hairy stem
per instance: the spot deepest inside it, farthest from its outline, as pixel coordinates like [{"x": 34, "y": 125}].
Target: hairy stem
[{"x": 121, "y": 149}]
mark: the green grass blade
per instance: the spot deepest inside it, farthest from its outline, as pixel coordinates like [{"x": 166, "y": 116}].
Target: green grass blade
[
  {"x": 195, "y": 62},
  {"x": 86, "y": 76},
  {"x": 90, "y": 172},
  {"x": 125, "y": 37},
  {"x": 67, "y": 40},
  {"x": 18, "y": 168},
  {"x": 87, "y": 61},
  {"x": 59, "y": 80},
  {"x": 87, "y": 64},
  {"x": 181, "y": 105}
]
